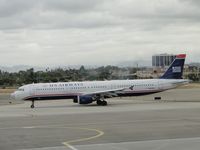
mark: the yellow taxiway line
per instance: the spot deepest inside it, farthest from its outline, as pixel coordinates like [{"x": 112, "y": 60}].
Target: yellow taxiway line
[{"x": 69, "y": 143}]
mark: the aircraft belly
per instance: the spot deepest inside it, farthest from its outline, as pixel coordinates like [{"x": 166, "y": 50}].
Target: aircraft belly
[{"x": 50, "y": 97}]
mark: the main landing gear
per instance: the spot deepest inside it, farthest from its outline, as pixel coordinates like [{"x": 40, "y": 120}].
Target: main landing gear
[
  {"x": 32, "y": 105},
  {"x": 101, "y": 102}
]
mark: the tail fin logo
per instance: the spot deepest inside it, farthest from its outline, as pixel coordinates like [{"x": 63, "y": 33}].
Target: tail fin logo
[{"x": 176, "y": 69}]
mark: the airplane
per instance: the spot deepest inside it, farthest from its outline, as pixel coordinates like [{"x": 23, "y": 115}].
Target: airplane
[{"x": 87, "y": 92}]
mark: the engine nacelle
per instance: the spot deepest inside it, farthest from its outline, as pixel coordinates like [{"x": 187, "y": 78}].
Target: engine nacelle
[{"x": 84, "y": 99}]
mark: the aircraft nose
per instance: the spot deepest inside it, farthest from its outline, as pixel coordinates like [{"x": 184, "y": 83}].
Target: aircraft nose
[{"x": 12, "y": 95}]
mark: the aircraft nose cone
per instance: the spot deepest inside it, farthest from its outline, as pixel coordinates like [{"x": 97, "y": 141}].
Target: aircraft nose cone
[{"x": 12, "y": 96}]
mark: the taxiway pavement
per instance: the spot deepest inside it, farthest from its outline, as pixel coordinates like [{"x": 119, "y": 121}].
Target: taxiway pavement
[{"x": 130, "y": 123}]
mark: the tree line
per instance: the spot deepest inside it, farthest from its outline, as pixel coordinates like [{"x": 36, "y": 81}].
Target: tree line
[
  {"x": 8, "y": 79},
  {"x": 29, "y": 76}
]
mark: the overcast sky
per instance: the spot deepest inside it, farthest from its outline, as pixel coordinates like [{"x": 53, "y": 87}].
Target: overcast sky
[{"x": 96, "y": 32}]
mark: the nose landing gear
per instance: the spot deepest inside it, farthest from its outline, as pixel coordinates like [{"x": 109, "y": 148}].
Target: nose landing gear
[{"x": 32, "y": 105}]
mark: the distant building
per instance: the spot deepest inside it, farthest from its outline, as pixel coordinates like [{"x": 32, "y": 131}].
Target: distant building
[{"x": 162, "y": 60}]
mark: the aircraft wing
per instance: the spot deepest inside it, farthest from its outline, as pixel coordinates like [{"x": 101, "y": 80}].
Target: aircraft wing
[{"x": 105, "y": 92}]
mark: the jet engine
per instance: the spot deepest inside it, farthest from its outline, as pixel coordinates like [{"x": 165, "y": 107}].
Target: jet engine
[{"x": 84, "y": 99}]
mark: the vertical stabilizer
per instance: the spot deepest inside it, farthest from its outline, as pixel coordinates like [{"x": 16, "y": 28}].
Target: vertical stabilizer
[{"x": 175, "y": 70}]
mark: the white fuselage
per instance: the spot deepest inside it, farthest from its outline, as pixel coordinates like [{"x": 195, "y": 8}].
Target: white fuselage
[{"x": 64, "y": 90}]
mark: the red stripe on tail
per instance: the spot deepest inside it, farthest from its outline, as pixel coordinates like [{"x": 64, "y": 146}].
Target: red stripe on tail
[{"x": 181, "y": 56}]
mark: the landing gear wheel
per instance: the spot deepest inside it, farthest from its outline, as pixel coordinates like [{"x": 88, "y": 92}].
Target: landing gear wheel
[
  {"x": 104, "y": 103},
  {"x": 32, "y": 105},
  {"x": 98, "y": 102},
  {"x": 101, "y": 103}
]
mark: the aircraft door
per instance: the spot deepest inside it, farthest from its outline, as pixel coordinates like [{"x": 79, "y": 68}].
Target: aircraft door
[
  {"x": 32, "y": 89},
  {"x": 160, "y": 85}
]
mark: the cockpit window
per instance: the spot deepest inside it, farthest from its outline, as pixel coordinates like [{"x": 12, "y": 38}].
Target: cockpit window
[{"x": 20, "y": 89}]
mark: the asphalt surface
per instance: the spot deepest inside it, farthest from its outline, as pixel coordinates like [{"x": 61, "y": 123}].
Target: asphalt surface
[{"x": 130, "y": 123}]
